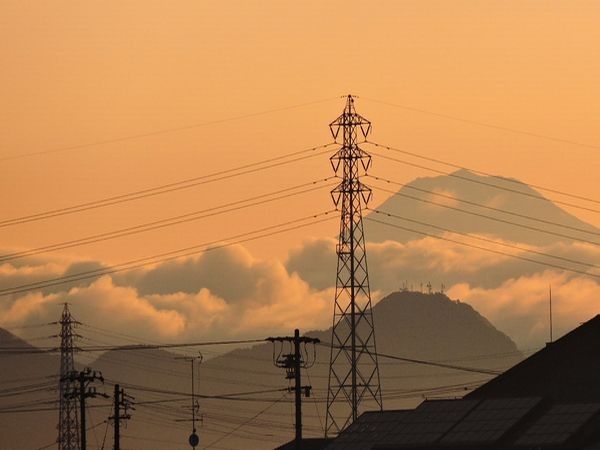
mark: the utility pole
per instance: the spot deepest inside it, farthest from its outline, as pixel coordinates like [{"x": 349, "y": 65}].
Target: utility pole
[
  {"x": 353, "y": 366},
  {"x": 83, "y": 391},
  {"x": 292, "y": 363},
  {"x": 68, "y": 423},
  {"x": 121, "y": 402}
]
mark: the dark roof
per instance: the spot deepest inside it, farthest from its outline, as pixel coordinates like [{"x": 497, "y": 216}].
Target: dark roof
[
  {"x": 306, "y": 444},
  {"x": 558, "y": 424},
  {"x": 500, "y": 423},
  {"x": 549, "y": 401},
  {"x": 564, "y": 371}
]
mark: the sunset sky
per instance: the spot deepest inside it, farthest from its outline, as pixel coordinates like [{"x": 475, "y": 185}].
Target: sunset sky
[{"x": 77, "y": 73}]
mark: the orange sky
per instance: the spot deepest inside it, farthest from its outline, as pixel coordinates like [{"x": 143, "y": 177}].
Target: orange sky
[{"x": 79, "y": 72}]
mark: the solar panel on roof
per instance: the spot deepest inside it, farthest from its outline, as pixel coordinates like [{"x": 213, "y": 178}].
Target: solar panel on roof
[
  {"x": 559, "y": 424},
  {"x": 429, "y": 421},
  {"x": 490, "y": 420},
  {"x": 369, "y": 429}
]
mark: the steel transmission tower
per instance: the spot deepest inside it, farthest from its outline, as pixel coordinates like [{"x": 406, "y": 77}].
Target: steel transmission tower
[
  {"x": 353, "y": 369},
  {"x": 68, "y": 422}
]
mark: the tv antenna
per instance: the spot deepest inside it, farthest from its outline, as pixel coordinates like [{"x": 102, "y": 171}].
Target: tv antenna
[{"x": 193, "y": 440}]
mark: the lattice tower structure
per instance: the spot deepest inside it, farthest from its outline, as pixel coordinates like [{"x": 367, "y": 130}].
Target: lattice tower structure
[
  {"x": 68, "y": 420},
  {"x": 354, "y": 382}
]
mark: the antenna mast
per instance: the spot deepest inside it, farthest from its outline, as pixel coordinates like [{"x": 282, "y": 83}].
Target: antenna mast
[{"x": 551, "y": 337}]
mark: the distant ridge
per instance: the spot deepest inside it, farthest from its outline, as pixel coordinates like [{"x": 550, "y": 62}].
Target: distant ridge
[
  {"x": 409, "y": 324},
  {"x": 480, "y": 191}
]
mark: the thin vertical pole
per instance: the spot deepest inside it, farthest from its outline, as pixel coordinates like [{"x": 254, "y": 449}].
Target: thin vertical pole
[
  {"x": 551, "y": 337},
  {"x": 117, "y": 418},
  {"x": 298, "y": 388},
  {"x": 193, "y": 400},
  {"x": 82, "y": 408}
]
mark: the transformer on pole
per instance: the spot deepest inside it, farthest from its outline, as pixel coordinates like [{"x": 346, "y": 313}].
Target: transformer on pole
[
  {"x": 68, "y": 420},
  {"x": 293, "y": 363},
  {"x": 353, "y": 371}
]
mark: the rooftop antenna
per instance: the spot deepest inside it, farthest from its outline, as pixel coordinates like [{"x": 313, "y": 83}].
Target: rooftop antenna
[{"x": 193, "y": 440}]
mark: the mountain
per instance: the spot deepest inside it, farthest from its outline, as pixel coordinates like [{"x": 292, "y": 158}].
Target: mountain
[
  {"x": 436, "y": 200},
  {"x": 409, "y": 324},
  {"x": 27, "y": 381}
]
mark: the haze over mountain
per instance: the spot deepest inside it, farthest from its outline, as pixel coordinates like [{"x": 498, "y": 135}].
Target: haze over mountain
[
  {"x": 409, "y": 324},
  {"x": 230, "y": 293},
  {"x": 27, "y": 381},
  {"x": 437, "y": 201},
  {"x": 502, "y": 269}
]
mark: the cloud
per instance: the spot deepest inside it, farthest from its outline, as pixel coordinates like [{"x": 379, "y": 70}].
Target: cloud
[
  {"x": 230, "y": 273},
  {"x": 511, "y": 293},
  {"x": 418, "y": 261},
  {"x": 221, "y": 294},
  {"x": 230, "y": 293},
  {"x": 520, "y": 306}
]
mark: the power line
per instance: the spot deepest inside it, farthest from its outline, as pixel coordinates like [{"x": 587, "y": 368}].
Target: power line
[
  {"x": 242, "y": 395},
  {"x": 483, "y": 239},
  {"x": 216, "y": 441},
  {"x": 169, "y": 256},
  {"x": 170, "y": 221},
  {"x": 480, "y": 205},
  {"x": 429, "y": 363},
  {"x": 481, "y": 172},
  {"x": 163, "y": 131},
  {"x": 98, "y": 348},
  {"x": 496, "y": 219},
  {"x": 484, "y": 124},
  {"x": 498, "y": 252},
  {"x": 165, "y": 188},
  {"x": 483, "y": 183}
]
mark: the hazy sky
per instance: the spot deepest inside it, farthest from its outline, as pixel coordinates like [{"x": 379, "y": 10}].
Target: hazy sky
[{"x": 81, "y": 72}]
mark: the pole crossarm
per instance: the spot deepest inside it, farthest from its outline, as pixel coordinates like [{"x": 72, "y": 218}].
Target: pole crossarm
[
  {"x": 83, "y": 390},
  {"x": 293, "y": 363}
]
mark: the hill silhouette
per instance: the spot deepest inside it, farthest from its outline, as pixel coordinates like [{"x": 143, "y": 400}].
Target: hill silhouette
[
  {"x": 31, "y": 380},
  {"x": 409, "y": 324}
]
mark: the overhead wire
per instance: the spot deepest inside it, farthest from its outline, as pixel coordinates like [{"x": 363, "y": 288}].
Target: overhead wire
[
  {"x": 163, "y": 131},
  {"x": 481, "y": 205},
  {"x": 165, "y": 188},
  {"x": 322, "y": 425},
  {"x": 484, "y": 239},
  {"x": 481, "y": 172},
  {"x": 170, "y": 221},
  {"x": 425, "y": 362},
  {"x": 172, "y": 255},
  {"x": 484, "y": 183},
  {"x": 216, "y": 441},
  {"x": 483, "y": 124},
  {"x": 139, "y": 347},
  {"x": 495, "y": 219},
  {"x": 498, "y": 252}
]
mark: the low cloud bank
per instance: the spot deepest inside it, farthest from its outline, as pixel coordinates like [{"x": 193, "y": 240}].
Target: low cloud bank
[{"x": 227, "y": 293}]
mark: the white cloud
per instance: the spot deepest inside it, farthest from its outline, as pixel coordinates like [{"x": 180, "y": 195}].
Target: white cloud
[
  {"x": 191, "y": 299},
  {"x": 230, "y": 293},
  {"x": 520, "y": 306}
]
